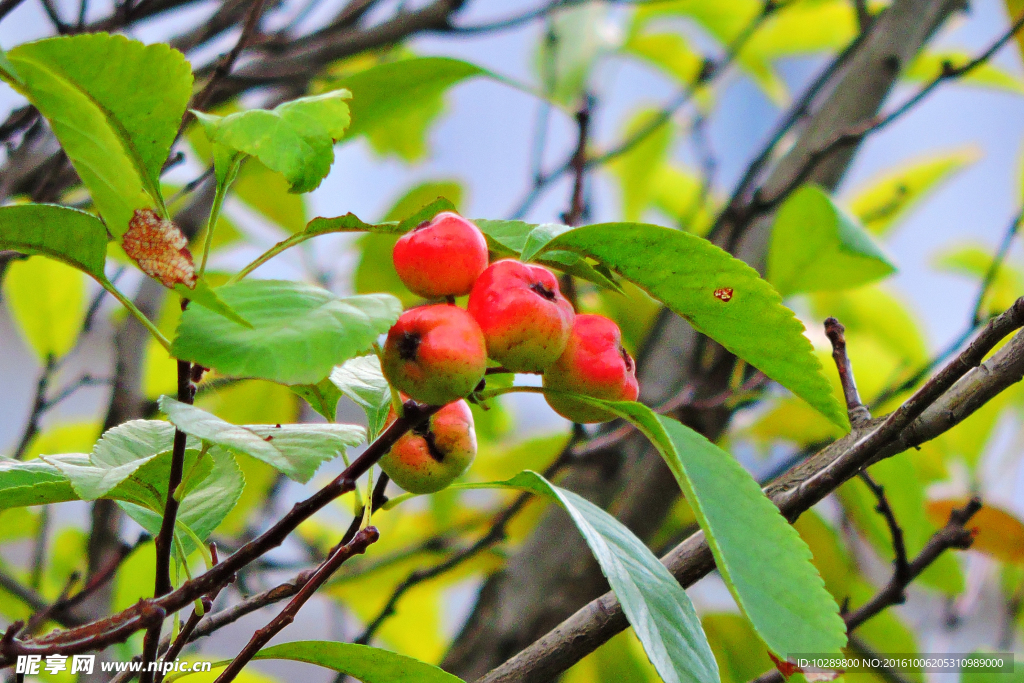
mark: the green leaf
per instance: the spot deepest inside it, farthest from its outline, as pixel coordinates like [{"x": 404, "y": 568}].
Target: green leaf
[
  {"x": 74, "y": 237},
  {"x": 297, "y": 450},
  {"x": 299, "y": 332},
  {"x": 970, "y": 674},
  {"x": 685, "y": 272},
  {"x": 929, "y": 65},
  {"x": 115, "y": 106},
  {"x": 681, "y": 194},
  {"x": 537, "y": 238},
  {"x": 211, "y": 493},
  {"x": 393, "y": 103},
  {"x": 295, "y": 139},
  {"x": 33, "y": 483},
  {"x": 655, "y": 604},
  {"x": 511, "y": 238},
  {"x": 362, "y": 380},
  {"x": 796, "y": 30},
  {"x": 8, "y": 70},
  {"x": 322, "y": 397},
  {"x": 47, "y": 300},
  {"x": 118, "y": 454},
  {"x": 741, "y": 657},
  {"x": 886, "y": 201},
  {"x": 669, "y": 52},
  {"x": 368, "y": 664},
  {"x": 816, "y": 246},
  {"x": 764, "y": 562},
  {"x": 874, "y": 311},
  {"x": 205, "y": 295}
]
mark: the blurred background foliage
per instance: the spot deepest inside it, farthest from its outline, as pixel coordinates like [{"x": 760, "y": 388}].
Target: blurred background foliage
[{"x": 831, "y": 255}]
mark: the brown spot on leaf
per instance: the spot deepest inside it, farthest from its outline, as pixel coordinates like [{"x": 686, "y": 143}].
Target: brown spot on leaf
[
  {"x": 268, "y": 437},
  {"x": 160, "y": 249},
  {"x": 723, "y": 293}
]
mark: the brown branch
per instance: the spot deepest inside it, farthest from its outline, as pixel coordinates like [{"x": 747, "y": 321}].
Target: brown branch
[
  {"x": 341, "y": 553},
  {"x": 953, "y": 535},
  {"x": 38, "y": 408},
  {"x": 577, "y": 205},
  {"x": 116, "y": 628},
  {"x": 856, "y": 410},
  {"x": 901, "y": 565},
  {"x": 223, "y": 68},
  {"x": 795, "y": 492},
  {"x": 707, "y": 74},
  {"x": 858, "y": 132},
  {"x": 164, "y": 541},
  {"x": 495, "y": 534}
]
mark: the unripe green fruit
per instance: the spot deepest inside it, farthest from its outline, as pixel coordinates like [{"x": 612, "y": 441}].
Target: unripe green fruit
[
  {"x": 524, "y": 317},
  {"x": 440, "y": 258},
  {"x": 435, "y": 354},
  {"x": 431, "y": 456},
  {"x": 593, "y": 364}
]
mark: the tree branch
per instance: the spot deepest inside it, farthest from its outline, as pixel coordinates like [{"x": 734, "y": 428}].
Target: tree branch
[
  {"x": 116, "y": 628},
  {"x": 835, "y": 332},
  {"x": 901, "y": 565},
  {"x": 341, "y": 553},
  {"x": 953, "y": 535},
  {"x": 165, "y": 538},
  {"x": 795, "y": 492}
]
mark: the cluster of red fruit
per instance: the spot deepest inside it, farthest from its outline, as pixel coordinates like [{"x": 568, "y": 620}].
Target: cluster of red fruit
[{"x": 517, "y": 316}]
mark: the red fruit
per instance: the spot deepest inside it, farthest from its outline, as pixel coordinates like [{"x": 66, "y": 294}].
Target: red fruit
[
  {"x": 593, "y": 364},
  {"x": 429, "y": 457},
  {"x": 443, "y": 257},
  {"x": 436, "y": 354},
  {"x": 524, "y": 318}
]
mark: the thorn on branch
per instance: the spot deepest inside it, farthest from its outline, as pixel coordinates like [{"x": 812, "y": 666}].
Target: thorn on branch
[{"x": 858, "y": 413}]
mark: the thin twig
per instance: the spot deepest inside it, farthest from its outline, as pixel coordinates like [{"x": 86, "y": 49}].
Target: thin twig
[
  {"x": 887, "y": 432},
  {"x": 856, "y": 410},
  {"x": 54, "y": 16},
  {"x": 495, "y": 534},
  {"x": 577, "y": 208},
  {"x": 223, "y": 68},
  {"x": 975, "y": 318},
  {"x": 117, "y": 627},
  {"x": 901, "y": 565},
  {"x": 341, "y": 553},
  {"x": 185, "y": 635},
  {"x": 165, "y": 538},
  {"x": 953, "y": 535},
  {"x": 863, "y": 15},
  {"x": 994, "y": 267},
  {"x": 38, "y": 408},
  {"x": 854, "y": 134},
  {"x": 708, "y": 73},
  {"x": 8, "y": 6}
]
